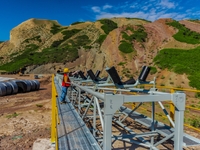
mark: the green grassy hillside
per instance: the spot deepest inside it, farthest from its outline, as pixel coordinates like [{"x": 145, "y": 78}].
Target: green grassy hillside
[
  {"x": 184, "y": 34},
  {"x": 60, "y": 51},
  {"x": 63, "y": 44},
  {"x": 181, "y": 61},
  {"x": 138, "y": 35}
]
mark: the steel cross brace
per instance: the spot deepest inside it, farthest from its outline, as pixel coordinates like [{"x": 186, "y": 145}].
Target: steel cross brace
[{"x": 113, "y": 102}]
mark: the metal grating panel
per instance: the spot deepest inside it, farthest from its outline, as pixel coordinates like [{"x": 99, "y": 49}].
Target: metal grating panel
[
  {"x": 162, "y": 128},
  {"x": 73, "y": 134},
  {"x": 189, "y": 141}
]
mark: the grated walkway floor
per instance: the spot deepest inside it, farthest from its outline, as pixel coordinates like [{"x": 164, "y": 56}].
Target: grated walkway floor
[
  {"x": 160, "y": 127},
  {"x": 73, "y": 134}
]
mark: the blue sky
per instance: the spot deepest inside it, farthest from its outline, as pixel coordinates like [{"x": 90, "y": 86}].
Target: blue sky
[{"x": 14, "y": 12}]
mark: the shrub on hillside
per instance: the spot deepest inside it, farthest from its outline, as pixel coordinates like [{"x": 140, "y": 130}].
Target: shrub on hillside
[
  {"x": 184, "y": 34},
  {"x": 153, "y": 70},
  {"x": 121, "y": 63},
  {"x": 21, "y": 60},
  {"x": 78, "y": 22},
  {"x": 87, "y": 47},
  {"x": 82, "y": 40},
  {"x": 181, "y": 61},
  {"x": 55, "y": 29},
  {"x": 36, "y": 38},
  {"x": 108, "y": 25},
  {"x": 125, "y": 47},
  {"x": 126, "y": 36},
  {"x": 139, "y": 34},
  {"x": 30, "y": 56},
  {"x": 195, "y": 122},
  {"x": 69, "y": 33},
  {"x": 56, "y": 43},
  {"x": 101, "y": 39},
  {"x": 138, "y": 19}
]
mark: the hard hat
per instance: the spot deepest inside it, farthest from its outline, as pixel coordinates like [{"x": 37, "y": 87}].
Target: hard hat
[{"x": 66, "y": 70}]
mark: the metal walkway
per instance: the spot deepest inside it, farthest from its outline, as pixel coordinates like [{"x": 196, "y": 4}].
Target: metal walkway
[
  {"x": 160, "y": 127},
  {"x": 73, "y": 134}
]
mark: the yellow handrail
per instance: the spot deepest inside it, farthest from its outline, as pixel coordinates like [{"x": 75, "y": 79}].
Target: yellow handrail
[
  {"x": 54, "y": 116},
  {"x": 172, "y": 107},
  {"x": 192, "y": 108},
  {"x": 174, "y": 88},
  {"x": 189, "y": 126}
]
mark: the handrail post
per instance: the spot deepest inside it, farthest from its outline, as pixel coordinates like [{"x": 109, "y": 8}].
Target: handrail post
[
  {"x": 133, "y": 105},
  {"x": 179, "y": 103},
  {"x": 111, "y": 105},
  {"x": 172, "y": 109}
]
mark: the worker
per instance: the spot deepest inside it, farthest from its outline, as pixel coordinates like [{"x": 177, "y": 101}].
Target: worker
[{"x": 65, "y": 85}]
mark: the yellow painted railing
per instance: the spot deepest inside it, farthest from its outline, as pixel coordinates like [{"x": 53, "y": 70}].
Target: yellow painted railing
[
  {"x": 54, "y": 116},
  {"x": 172, "y": 107}
]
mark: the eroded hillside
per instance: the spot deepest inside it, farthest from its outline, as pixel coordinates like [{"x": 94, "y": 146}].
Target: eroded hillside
[{"x": 44, "y": 46}]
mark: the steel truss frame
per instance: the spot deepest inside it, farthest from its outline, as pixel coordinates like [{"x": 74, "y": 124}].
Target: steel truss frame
[{"x": 112, "y": 108}]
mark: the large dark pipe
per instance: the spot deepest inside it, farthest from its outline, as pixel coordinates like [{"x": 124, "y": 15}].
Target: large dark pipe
[
  {"x": 37, "y": 84},
  {"x": 28, "y": 85},
  {"x": 114, "y": 75},
  {"x": 14, "y": 87},
  {"x": 2, "y": 89},
  {"x": 82, "y": 75},
  {"x": 33, "y": 84},
  {"x": 91, "y": 74},
  {"x": 8, "y": 88},
  {"x": 22, "y": 86},
  {"x": 144, "y": 73},
  {"x": 97, "y": 73}
]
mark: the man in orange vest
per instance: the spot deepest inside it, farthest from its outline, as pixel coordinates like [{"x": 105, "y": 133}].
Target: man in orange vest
[{"x": 65, "y": 85}]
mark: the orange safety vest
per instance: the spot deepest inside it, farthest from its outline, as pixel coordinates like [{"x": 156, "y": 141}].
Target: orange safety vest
[{"x": 63, "y": 82}]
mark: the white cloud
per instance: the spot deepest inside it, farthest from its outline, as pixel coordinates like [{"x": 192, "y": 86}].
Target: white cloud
[
  {"x": 135, "y": 5},
  {"x": 179, "y": 16},
  {"x": 167, "y": 4},
  {"x": 196, "y": 14},
  {"x": 180, "y": 8},
  {"x": 188, "y": 11},
  {"x": 96, "y": 9},
  {"x": 139, "y": 14},
  {"x": 167, "y": 15},
  {"x": 152, "y": 15},
  {"x": 150, "y": 10},
  {"x": 107, "y": 6},
  {"x": 132, "y": 6},
  {"x": 145, "y": 8}
]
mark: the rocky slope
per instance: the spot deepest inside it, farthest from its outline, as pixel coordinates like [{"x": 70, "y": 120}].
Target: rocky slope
[{"x": 92, "y": 55}]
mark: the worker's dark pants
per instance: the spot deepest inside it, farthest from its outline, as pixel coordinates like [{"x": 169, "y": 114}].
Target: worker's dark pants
[{"x": 63, "y": 94}]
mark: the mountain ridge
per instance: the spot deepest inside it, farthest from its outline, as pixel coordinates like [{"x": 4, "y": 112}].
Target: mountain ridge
[{"x": 93, "y": 45}]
